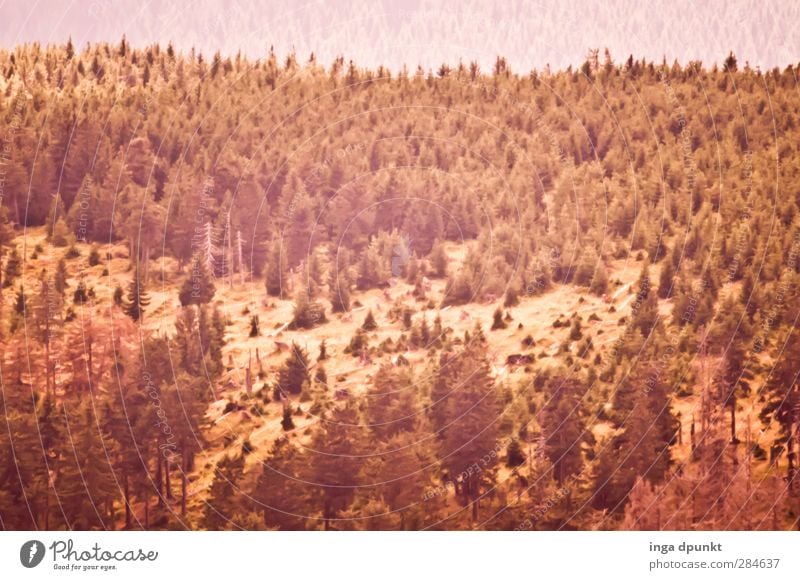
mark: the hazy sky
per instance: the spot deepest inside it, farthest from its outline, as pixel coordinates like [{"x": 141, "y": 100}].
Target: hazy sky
[{"x": 530, "y": 33}]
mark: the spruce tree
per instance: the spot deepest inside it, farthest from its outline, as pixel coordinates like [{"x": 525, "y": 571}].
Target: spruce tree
[
  {"x": 307, "y": 313},
  {"x": 471, "y": 428},
  {"x": 369, "y": 322},
  {"x": 198, "y": 287},
  {"x": 666, "y": 279},
  {"x": 13, "y": 268},
  {"x": 61, "y": 277},
  {"x": 294, "y": 373},
  {"x": 137, "y": 298},
  {"x": 220, "y": 508},
  {"x": 274, "y": 277},
  {"x": 19, "y": 303},
  {"x": 497, "y": 320},
  {"x": 254, "y": 327}
]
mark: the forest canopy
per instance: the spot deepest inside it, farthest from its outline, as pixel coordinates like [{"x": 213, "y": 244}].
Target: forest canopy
[{"x": 269, "y": 294}]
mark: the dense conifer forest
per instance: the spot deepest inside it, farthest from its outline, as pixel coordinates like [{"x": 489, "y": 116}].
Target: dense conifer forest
[{"x": 271, "y": 294}]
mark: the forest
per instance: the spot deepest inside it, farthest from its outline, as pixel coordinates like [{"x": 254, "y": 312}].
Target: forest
[{"x": 279, "y": 295}]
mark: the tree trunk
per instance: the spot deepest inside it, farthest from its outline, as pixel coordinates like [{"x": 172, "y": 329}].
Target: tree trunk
[
  {"x": 146, "y": 260},
  {"x": 790, "y": 467},
  {"x": 159, "y": 480},
  {"x": 90, "y": 363},
  {"x": 47, "y": 368},
  {"x": 183, "y": 483},
  {"x": 47, "y": 511},
  {"x": 127, "y": 502},
  {"x": 167, "y": 479},
  {"x": 326, "y": 514}
]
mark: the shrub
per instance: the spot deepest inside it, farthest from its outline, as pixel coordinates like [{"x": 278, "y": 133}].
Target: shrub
[
  {"x": 94, "y": 257},
  {"x": 514, "y": 454}
]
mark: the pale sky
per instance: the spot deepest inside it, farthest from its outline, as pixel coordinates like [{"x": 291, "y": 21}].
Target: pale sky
[{"x": 529, "y": 33}]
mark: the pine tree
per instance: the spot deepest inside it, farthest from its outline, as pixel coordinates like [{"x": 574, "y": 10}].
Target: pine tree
[
  {"x": 369, "y": 322},
  {"x": 13, "y": 268},
  {"x": 391, "y": 402},
  {"x": 783, "y": 400},
  {"x": 221, "y": 506},
  {"x": 497, "y": 320},
  {"x": 337, "y": 465},
  {"x": 281, "y": 491},
  {"x": 80, "y": 296},
  {"x": 208, "y": 249},
  {"x": 19, "y": 303},
  {"x": 198, "y": 287},
  {"x": 85, "y": 476},
  {"x": 359, "y": 343},
  {"x": 275, "y": 278},
  {"x": 438, "y": 259},
  {"x": 307, "y": 313},
  {"x": 287, "y": 423},
  {"x": 339, "y": 294},
  {"x": 61, "y": 277},
  {"x": 471, "y": 431},
  {"x": 315, "y": 276},
  {"x": 240, "y": 265},
  {"x": 294, "y": 373},
  {"x": 666, "y": 279},
  {"x": 137, "y": 298},
  {"x": 599, "y": 283},
  {"x": 563, "y": 426},
  {"x": 646, "y": 429},
  {"x": 254, "y": 326}
]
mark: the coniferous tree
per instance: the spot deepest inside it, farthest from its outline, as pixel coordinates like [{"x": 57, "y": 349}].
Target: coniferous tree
[
  {"x": 275, "y": 270},
  {"x": 642, "y": 445},
  {"x": 563, "y": 426},
  {"x": 666, "y": 279},
  {"x": 198, "y": 287},
  {"x": 254, "y": 327},
  {"x": 307, "y": 313},
  {"x": 369, "y": 322},
  {"x": 13, "y": 268},
  {"x": 280, "y": 491},
  {"x": 783, "y": 400},
  {"x": 336, "y": 467},
  {"x": 391, "y": 404},
  {"x": 80, "y": 296},
  {"x": 61, "y": 277},
  {"x": 295, "y": 372},
  {"x": 470, "y": 431},
  {"x": 221, "y": 504},
  {"x": 137, "y": 298},
  {"x": 19, "y": 303},
  {"x": 497, "y": 320}
]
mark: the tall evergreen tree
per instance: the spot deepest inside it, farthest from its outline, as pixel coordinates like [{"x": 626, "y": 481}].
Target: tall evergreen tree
[{"x": 137, "y": 298}]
